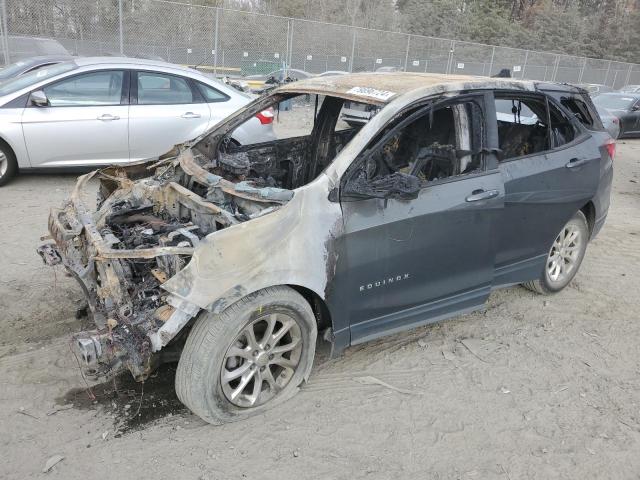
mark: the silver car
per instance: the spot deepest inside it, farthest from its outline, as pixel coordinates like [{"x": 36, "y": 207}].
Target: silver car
[{"x": 99, "y": 111}]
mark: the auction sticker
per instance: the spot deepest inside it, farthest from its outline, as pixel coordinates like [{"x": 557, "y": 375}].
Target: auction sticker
[{"x": 371, "y": 92}]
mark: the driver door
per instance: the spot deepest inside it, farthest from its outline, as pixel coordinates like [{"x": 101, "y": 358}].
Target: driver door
[
  {"x": 84, "y": 123},
  {"x": 419, "y": 210}
]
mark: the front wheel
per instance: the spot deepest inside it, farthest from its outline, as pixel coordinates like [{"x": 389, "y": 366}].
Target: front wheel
[
  {"x": 565, "y": 257},
  {"x": 8, "y": 164},
  {"x": 250, "y": 357}
]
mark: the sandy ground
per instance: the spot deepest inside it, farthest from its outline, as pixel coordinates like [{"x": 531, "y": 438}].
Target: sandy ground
[{"x": 532, "y": 387}]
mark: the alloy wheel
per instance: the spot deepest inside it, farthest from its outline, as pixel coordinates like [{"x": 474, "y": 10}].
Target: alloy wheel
[
  {"x": 261, "y": 360},
  {"x": 564, "y": 253},
  {"x": 4, "y": 164}
]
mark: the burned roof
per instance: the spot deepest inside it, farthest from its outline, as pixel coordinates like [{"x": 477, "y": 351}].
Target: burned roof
[{"x": 381, "y": 87}]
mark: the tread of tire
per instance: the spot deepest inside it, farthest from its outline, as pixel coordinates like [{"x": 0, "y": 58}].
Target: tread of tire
[
  {"x": 205, "y": 330},
  {"x": 535, "y": 286}
]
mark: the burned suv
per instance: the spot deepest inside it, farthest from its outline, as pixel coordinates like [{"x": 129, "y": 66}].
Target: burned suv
[{"x": 234, "y": 256}]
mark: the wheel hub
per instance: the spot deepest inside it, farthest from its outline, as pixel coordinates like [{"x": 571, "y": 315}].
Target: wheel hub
[{"x": 261, "y": 360}]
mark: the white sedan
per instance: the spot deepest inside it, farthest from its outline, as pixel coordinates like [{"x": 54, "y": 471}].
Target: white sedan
[{"x": 91, "y": 112}]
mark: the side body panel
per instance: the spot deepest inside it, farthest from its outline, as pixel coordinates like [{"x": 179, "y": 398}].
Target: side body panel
[
  {"x": 11, "y": 132},
  {"x": 411, "y": 262},
  {"x": 542, "y": 192},
  {"x": 75, "y": 136}
]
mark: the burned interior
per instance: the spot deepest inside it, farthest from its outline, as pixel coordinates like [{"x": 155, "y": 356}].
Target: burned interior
[
  {"x": 433, "y": 143},
  {"x": 150, "y": 218}
]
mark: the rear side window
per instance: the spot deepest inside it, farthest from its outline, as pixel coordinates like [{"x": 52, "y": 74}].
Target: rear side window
[
  {"x": 581, "y": 107},
  {"x": 162, "y": 89},
  {"x": 522, "y": 125},
  {"x": 562, "y": 130}
]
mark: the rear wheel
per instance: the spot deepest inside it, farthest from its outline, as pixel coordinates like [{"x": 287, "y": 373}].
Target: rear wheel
[
  {"x": 565, "y": 257},
  {"x": 8, "y": 164},
  {"x": 250, "y": 357}
]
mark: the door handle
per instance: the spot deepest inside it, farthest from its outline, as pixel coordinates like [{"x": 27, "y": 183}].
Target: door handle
[
  {"x": 576, "y": 162},
  {"x": 478, "y": 195},
  {"x": 107, "y": 117},
  {"x": 190, "y": 115}
]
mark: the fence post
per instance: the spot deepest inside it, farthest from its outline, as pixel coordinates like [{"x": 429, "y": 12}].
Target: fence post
[
  {"x": 215, "y": 44},
  {"x": 584, "y": 65},
  {"x": 120, "y": 25},
  {"x": 524, "y": 65},
  {"x": 555, "y": 68},
  {"x": 452, "y": 49},
  {"x": 353, "y": 50},
  {"x": 493, "y": 54},
  {"x": 5, "y": 34},
  {"x": 606, "y": 75},
  {"x": 290, "y": 61},
  {"x": 406, "y": 55},
  {"x": 286, "y": 55},
  {"x": 626, "y": 82}
]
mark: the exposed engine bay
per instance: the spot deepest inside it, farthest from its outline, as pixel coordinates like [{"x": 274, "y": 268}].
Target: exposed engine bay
[{"x": 147, "y": 223}]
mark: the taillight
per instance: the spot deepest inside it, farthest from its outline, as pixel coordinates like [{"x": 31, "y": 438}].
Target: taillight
[
  {"x": 611, "y": 148},
  {"x": 266, "y": 116}
]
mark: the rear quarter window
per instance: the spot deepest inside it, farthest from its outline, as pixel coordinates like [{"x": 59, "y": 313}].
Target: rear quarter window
[{"x": 580, "y": 106}]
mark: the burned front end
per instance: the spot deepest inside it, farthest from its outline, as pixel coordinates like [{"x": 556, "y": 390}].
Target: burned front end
[{"x": 147, "y": 222}]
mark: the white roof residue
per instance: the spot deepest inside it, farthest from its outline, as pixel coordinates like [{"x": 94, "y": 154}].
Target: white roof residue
[{"x": 383, "y": 95}]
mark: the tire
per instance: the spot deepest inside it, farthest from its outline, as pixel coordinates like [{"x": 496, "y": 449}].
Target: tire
[
  {"x": 8, "y": 164},
  {"x": 567, "y": 258},
  {"x": 220, "y": 345}
]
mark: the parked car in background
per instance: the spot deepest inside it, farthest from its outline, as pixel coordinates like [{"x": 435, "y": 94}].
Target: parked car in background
[
  {"x": 595, "y": 89},
  {"x": 30, "y": 64},
  {"x": 22, "y": 47},
  {"x": 236, "y": 258},
  {"x": 104, "y": 110},
  {"x": 625, "y": 106},
  {"x": 388, "y": 69},
  {"x": 332, "y": 73},
  {"x": 630, "y": 89},
  {"x": 610, "y": 121},
  {"x": 281, "y": 74},
  {"x": 358, "y": 113}
]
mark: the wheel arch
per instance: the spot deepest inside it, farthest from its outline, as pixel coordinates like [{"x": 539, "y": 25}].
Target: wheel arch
[
  {"x": 5, "y": 143},
  {"x": 589, "y": 211},
  {"x": 318, "y": 306},
  {"x": 317, "y": 303}
]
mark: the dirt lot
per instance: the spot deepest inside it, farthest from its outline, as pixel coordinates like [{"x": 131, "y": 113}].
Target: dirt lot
[{"x": 532, "y": 387}]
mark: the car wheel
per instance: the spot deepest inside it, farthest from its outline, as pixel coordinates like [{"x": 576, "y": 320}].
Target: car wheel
[
  {"x": 252, "y": 356},
  {"x": 8, "y": 164},
  {"x": 565, "y": 257}
]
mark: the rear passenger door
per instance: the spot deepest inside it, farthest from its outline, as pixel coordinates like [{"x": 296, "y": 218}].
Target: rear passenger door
[
  {"x": 166, "y": 110},
  {"x": 550, "y": 169}
]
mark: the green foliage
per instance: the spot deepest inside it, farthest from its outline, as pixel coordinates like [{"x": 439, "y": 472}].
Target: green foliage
[{"x": 594, "y": 28}]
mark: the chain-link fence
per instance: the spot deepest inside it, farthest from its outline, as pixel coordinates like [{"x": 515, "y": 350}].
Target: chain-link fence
[{"x": 235, "y": 42}]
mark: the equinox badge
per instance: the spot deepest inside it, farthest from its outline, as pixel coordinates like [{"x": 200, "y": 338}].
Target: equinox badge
[{"x": 384, "y": 282}]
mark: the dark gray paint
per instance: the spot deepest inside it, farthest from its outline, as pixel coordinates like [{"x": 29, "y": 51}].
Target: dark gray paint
[{"x": 453, "y": 251}]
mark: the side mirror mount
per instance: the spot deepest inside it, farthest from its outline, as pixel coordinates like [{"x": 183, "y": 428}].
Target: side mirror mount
[
  {"x": 39, "y": 99},
  {"x": 635, "y": 108}
]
